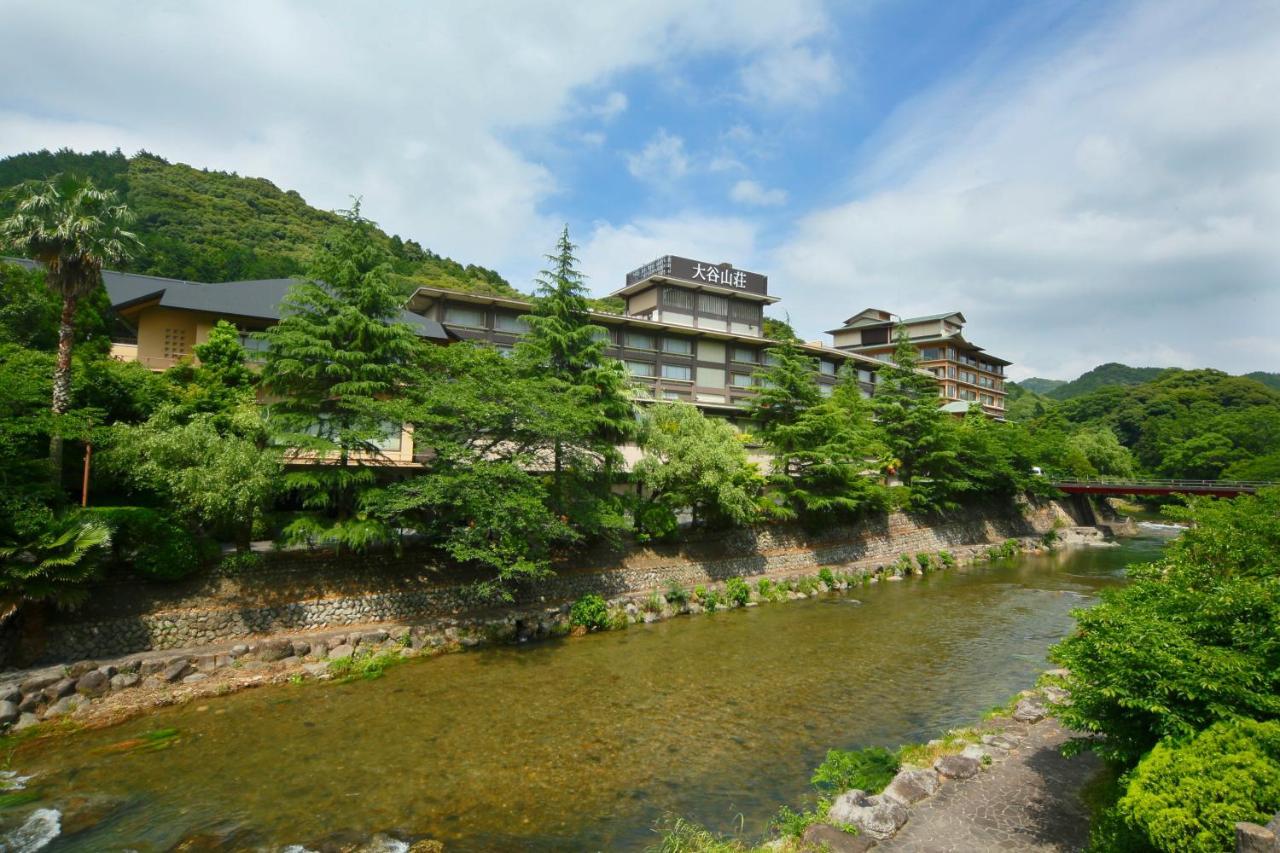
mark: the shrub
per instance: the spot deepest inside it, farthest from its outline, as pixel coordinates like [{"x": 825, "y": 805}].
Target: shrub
[
  {"x": 682, "y": 836},
  {"x": 157, "y": 546},
  {"x": 677, "y": 595},
  {"x": 807, "y": 585},
  {"x": 653, "y": 604},
  {"x": 711, "y": 599},
  {"x": 764, "y": 586},
  {"x": 869, "y": 769},
  {"x": 792, "y": 824},
  {"x": 242, "y": 561},
  {"x": 590, "y": 612},
  {"x": 366, "y": 666},
  {"x": 904, "y": 566},
  {"x": 737, "y": 591},
  {"x": 1188, "y": 796},
  {"x": 947, "y": 560},
  {"x": 1050, "y": 539},
  {"x": 655, "y": 521},
  {"x": 924, "y": 561},
  {"x": 827, "y": 576}
]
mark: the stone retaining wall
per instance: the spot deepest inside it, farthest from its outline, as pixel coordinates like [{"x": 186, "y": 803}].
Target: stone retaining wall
[{"x": 309, "y": 593}]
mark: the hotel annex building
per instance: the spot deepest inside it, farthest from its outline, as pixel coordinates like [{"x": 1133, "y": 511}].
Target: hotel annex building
[{"x": 690, "y": 330}]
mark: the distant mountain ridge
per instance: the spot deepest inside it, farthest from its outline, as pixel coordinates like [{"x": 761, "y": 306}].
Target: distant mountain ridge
[
  {"x": 1114, "y": 374},
  {"x": 1036, "y": 385},
  {"x": 202, "y": 225}
]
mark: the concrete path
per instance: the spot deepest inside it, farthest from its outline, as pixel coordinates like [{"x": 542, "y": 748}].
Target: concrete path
[{"x": 1028, "y": 802}]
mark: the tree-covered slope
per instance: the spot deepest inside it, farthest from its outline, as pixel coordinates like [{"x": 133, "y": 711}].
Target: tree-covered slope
[
  {"x": 1036, "y": 385},
  {"x": 203, "y": 225},
  {"x": 1103, "y": 376},
  {"x": 1271, "y": 380}
]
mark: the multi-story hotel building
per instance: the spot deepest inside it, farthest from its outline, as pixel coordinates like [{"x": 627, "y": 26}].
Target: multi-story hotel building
[{"x": 965, "y": 372}]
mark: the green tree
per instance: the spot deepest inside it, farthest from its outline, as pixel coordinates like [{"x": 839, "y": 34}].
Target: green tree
[
  {"x": 1192, "y": 639},
  {"x": 789, "y": 387},
  {"x": 917, "y": 432},
  {"x": 566, "y": 347},
  {"x": 221, "y": 385},
  {"x": 697, "y": 463},
  {"x": 73, "y": 229},
  {"x": 336, "y": 364},
  {"x": 780, "y": 330},
  {"x": 54, "y": 560},
  {"x": 1096, "y": 451}
]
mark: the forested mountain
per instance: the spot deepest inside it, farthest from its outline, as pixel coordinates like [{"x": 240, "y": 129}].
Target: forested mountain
[
  {"x": 1271, "y": 380},
  {"x": 203, "y": 225},
  {"x": 1103, "y": 376},
  {"x": 1036, "y": 385}
]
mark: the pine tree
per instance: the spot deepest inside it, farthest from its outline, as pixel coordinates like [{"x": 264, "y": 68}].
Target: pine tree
[
  {"x": 334, "y": 366},
  {"x": 917, "y": 432}
]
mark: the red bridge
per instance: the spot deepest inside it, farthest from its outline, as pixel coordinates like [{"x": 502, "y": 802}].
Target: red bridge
[{"x": 1122, "y": 486}]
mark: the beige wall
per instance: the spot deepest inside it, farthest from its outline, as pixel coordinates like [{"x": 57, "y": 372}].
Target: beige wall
[
  {"x": 166, "y": 334},
  {"x": 643, "y": 301}
]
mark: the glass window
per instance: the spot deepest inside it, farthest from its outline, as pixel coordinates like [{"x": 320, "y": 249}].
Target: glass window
[
  {"x": 682, "y": 372},
  {"x": 673, "y": 395},
  {"x": 930, "y": 354},
  {"x": 826, "y": 390},
  {"x": 744, "y": 312},
  {"x": 711, "y": 398},
  {"x": 769, "y": 358},
  {"x": 742, "y": 380},
  {"x": 827, "y": 368},
  {"x": 679, "y": 346},
  {"x": 464, "y": 315},
  {"x": 709, "y": 303},
  {"x": 511, "y": 323},
  {"x": 678, "y": 298},
  {"x": 639, "y": 368},
  {"x": 746, "y": 355},
  {"x": 640, "y": 340}
]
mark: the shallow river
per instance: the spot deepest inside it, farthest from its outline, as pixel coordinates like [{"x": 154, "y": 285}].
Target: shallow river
[{"x": 582, "y": 743}]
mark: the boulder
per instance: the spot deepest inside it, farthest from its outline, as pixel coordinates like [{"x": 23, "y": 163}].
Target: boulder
[
  {"x": 153, "y": 666},
  {"x": 176, "y": 670},
  {"x": 824, "y": 836},
  {"x": 911, "y": 786},
  {"x": 275, "y": 649},
  {"x": 195, "y": 678},
  {"x": 65, "y": 705},
  {"x": 79, "y": 668},
  {"x": 1055, "y": 694},
  {"x": 319, "y": 648},
  {"x": 125, "y": 680},
  {"x": 874, "y": 816},
  {"x": 11, "y": 694},
  {"x": 341, "y": 652},
  {"x": 1252, "y": 838},
  {"x": 239, "y": 649},
  {"x": 982, "y": 752},
  {"x": 206, "y": 662},
  {"x": 38, "y": 683},
  {"x": 316, "y": 669},
  {"x": 8, "y": 712},
  {"x": 1030, "y": 710},
  {"x": 108, "y": 670},
  {"x": 301, "y": 648},
  {"x": 63, "y": 687},
  {"x": 26, "y": 721},
  {"x": 31, "y": 703},
  {"x": 93, "y": 684},
  {"x": 957, "y": 767},
  {"x": 1002, "y": 741},
  {"x": 374, "y": 637}
]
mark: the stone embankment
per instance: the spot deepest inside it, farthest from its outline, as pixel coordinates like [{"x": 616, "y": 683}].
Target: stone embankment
[{"x": 1002, "y": 786}]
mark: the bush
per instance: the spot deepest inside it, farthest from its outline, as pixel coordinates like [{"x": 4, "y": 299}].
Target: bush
[
  {"x": 924, "y": 561},
  {"x": 827, "y": 576},
  {"x": 764, "y": 586},
  {"x": 710, "y": 598},
  {"x": 152, "y": 542},
  {"x": 590, "y": 612},
  {"x": 655, "y": 521},
  {"x": 366, "y": 666},
  {"x": 1188, "y": 796},
  {"x": 807, "y": 585},
  {"x": 653, "y": 604},
  {"x": 904, "y": 566},
  {"x": 242, "y": 561},
  {"x": 869, "y": 769},
  {"x": 737, "y": 591},
  {"x": 947, "y": 560},
  {"x": 677, "y": 595}
]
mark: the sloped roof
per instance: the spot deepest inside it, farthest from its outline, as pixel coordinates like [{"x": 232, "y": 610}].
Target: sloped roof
[
  {"x": 862, "y": 321},
  {"x": 255, "y": 299}
]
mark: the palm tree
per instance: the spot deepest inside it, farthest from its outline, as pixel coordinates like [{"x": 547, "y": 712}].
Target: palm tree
[
  {"x": 55, "y": 563},
  {"x": 73, "y": 228}
]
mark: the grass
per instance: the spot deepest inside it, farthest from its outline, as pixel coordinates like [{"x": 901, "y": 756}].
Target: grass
[
  {"x": 682, "y": 836},
  {"x": 924, "y": 754},
  {"x": 1005, "y": 710},
  {"x": 366, "y": 666}
]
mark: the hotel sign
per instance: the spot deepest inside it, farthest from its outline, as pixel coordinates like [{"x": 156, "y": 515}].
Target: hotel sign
[{"x": 717, "y": 275}]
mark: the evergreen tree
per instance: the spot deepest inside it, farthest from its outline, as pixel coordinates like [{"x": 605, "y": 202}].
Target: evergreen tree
[
  {"x": 335, "y": 365},
  {"x": 917, "y": 432},
  {"x": 221, "y": 386},
  {"x": 563, "y": 345},
  {"x": 789, "y": 388}
]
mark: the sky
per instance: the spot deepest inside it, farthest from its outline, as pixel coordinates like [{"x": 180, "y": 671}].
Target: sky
[{"x": 1086, "y": 181}]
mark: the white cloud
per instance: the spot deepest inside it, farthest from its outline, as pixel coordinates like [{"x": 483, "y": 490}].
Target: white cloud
[
  {"x": 1115, "y": 199},
  {"x": 612, "y": 250},
  {"x": 614, "y": 105},
  {"x": 792, "y": 75},
  {"x": 750, "y": 192},
  {"x": 662, "y": 159}
]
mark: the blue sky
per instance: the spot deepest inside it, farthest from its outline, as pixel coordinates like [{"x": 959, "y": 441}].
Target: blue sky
[{"x": 1086, "y": 181}]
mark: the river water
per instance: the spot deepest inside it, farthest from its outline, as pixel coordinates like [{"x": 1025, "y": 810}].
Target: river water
[{"x": 580, "y": 744}]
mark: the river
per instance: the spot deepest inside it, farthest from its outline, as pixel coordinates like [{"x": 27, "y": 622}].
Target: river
[{"x": 583, "y": 743}]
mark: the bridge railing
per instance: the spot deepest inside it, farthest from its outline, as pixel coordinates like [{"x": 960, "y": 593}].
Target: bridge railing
[{"x": 1157, "y": 483}]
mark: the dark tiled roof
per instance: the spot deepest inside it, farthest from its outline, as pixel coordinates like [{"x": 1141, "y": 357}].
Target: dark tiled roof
[{"x": 259, "y": 300}]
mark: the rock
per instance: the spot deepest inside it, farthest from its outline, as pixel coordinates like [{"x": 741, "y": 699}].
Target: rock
[
  {"x": 320, "y": 648},
  {"x": 206, "y": 663},
  {"x": 291, "y": 660},
  {"x": 274, "y": 649},
  {"x": 65, "y": 705},
  {"x": 108, "y": 670},
  {"x": 982, "y": 753},
  {"x": 1002, "y": 741},
  {"x": 195, "y": 678},
  {"x": 152, "y": 666},
  {"x": 1030, "y": 710},
  {"x": 341, "y": 652},
  {"x": 874, "y": 816},
  {"x": 125, "y": 680},
  {"x": 1251, "y": 838},
  {"x": 11, "y": 694},
  {"x": 317, "y": 669},
  {"x": 175, "y": 670},
  {"x": 911, "y": 786},
  {"x": 63, "y": 687},
  {"x": 26, "y": 721},
  {"x": 301, "y": 648},
  {"x": 1057, "y": 673},
  {"x": 31, "y": 703},
  {"x": 37, "y": 683},
  {"x": 239, "y": 649},
  {"x": 79, "y": 668},
  {"x": 426, "y": 845},
  {"x": 824, "y": 836},
  {"x": 93, "y": 684},
  {"x": 957, "y": 767},
  {"x": 374, "y": 637},
  {"x": 8, "y": 711},
  {"x": 1055, "y": 694}
]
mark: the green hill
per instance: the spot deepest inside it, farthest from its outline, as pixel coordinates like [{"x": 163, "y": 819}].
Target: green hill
[
  {"x": 1271, "y": 380},
  {"x": 1104, "y": 376},
  {"x": 203, "y": 225},
  {"x": 1036, "y": 385}
]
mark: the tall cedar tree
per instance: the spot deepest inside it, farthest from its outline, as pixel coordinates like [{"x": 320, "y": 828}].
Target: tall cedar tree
[
  {"x": 916, "y": 430},
  {"x": 334, "y": 366},
  {"x": 565, "y": 346},
  {"x": 73, "y": 229}
]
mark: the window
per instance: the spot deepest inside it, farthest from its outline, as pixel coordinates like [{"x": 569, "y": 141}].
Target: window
[
  {"x": 464, "y": 315},
  {"x": 673, "y": 395},
  {"x": 256, "y": 350},
  {"x": 875, "y": 336},
  {"x": 746, "y": 355},
  {"x": 677, "y": 346},
  {"x": 711, "y": 377},
  {"x": 931, "y": 354},
  {"x": 770, "y": 359},
  {"x": 175, "y": 343},
  {"x": 511, "y": 323},
  {"x": 951, "y": 373},
  {"x": 711, "y": 398},
  {"x": 683, "y": 372},
  {"x": 744, "y": 312},
  {"x": 674, "y": 297},
  {"x": 639, "y": 368},
  {"x": 709, "y": 303},
  {"x": 640, "y": 340},
  {"x": 827, "y": 368},
  {"x": 826, "y": 390},
  {"x": 742, "y": 380}
]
